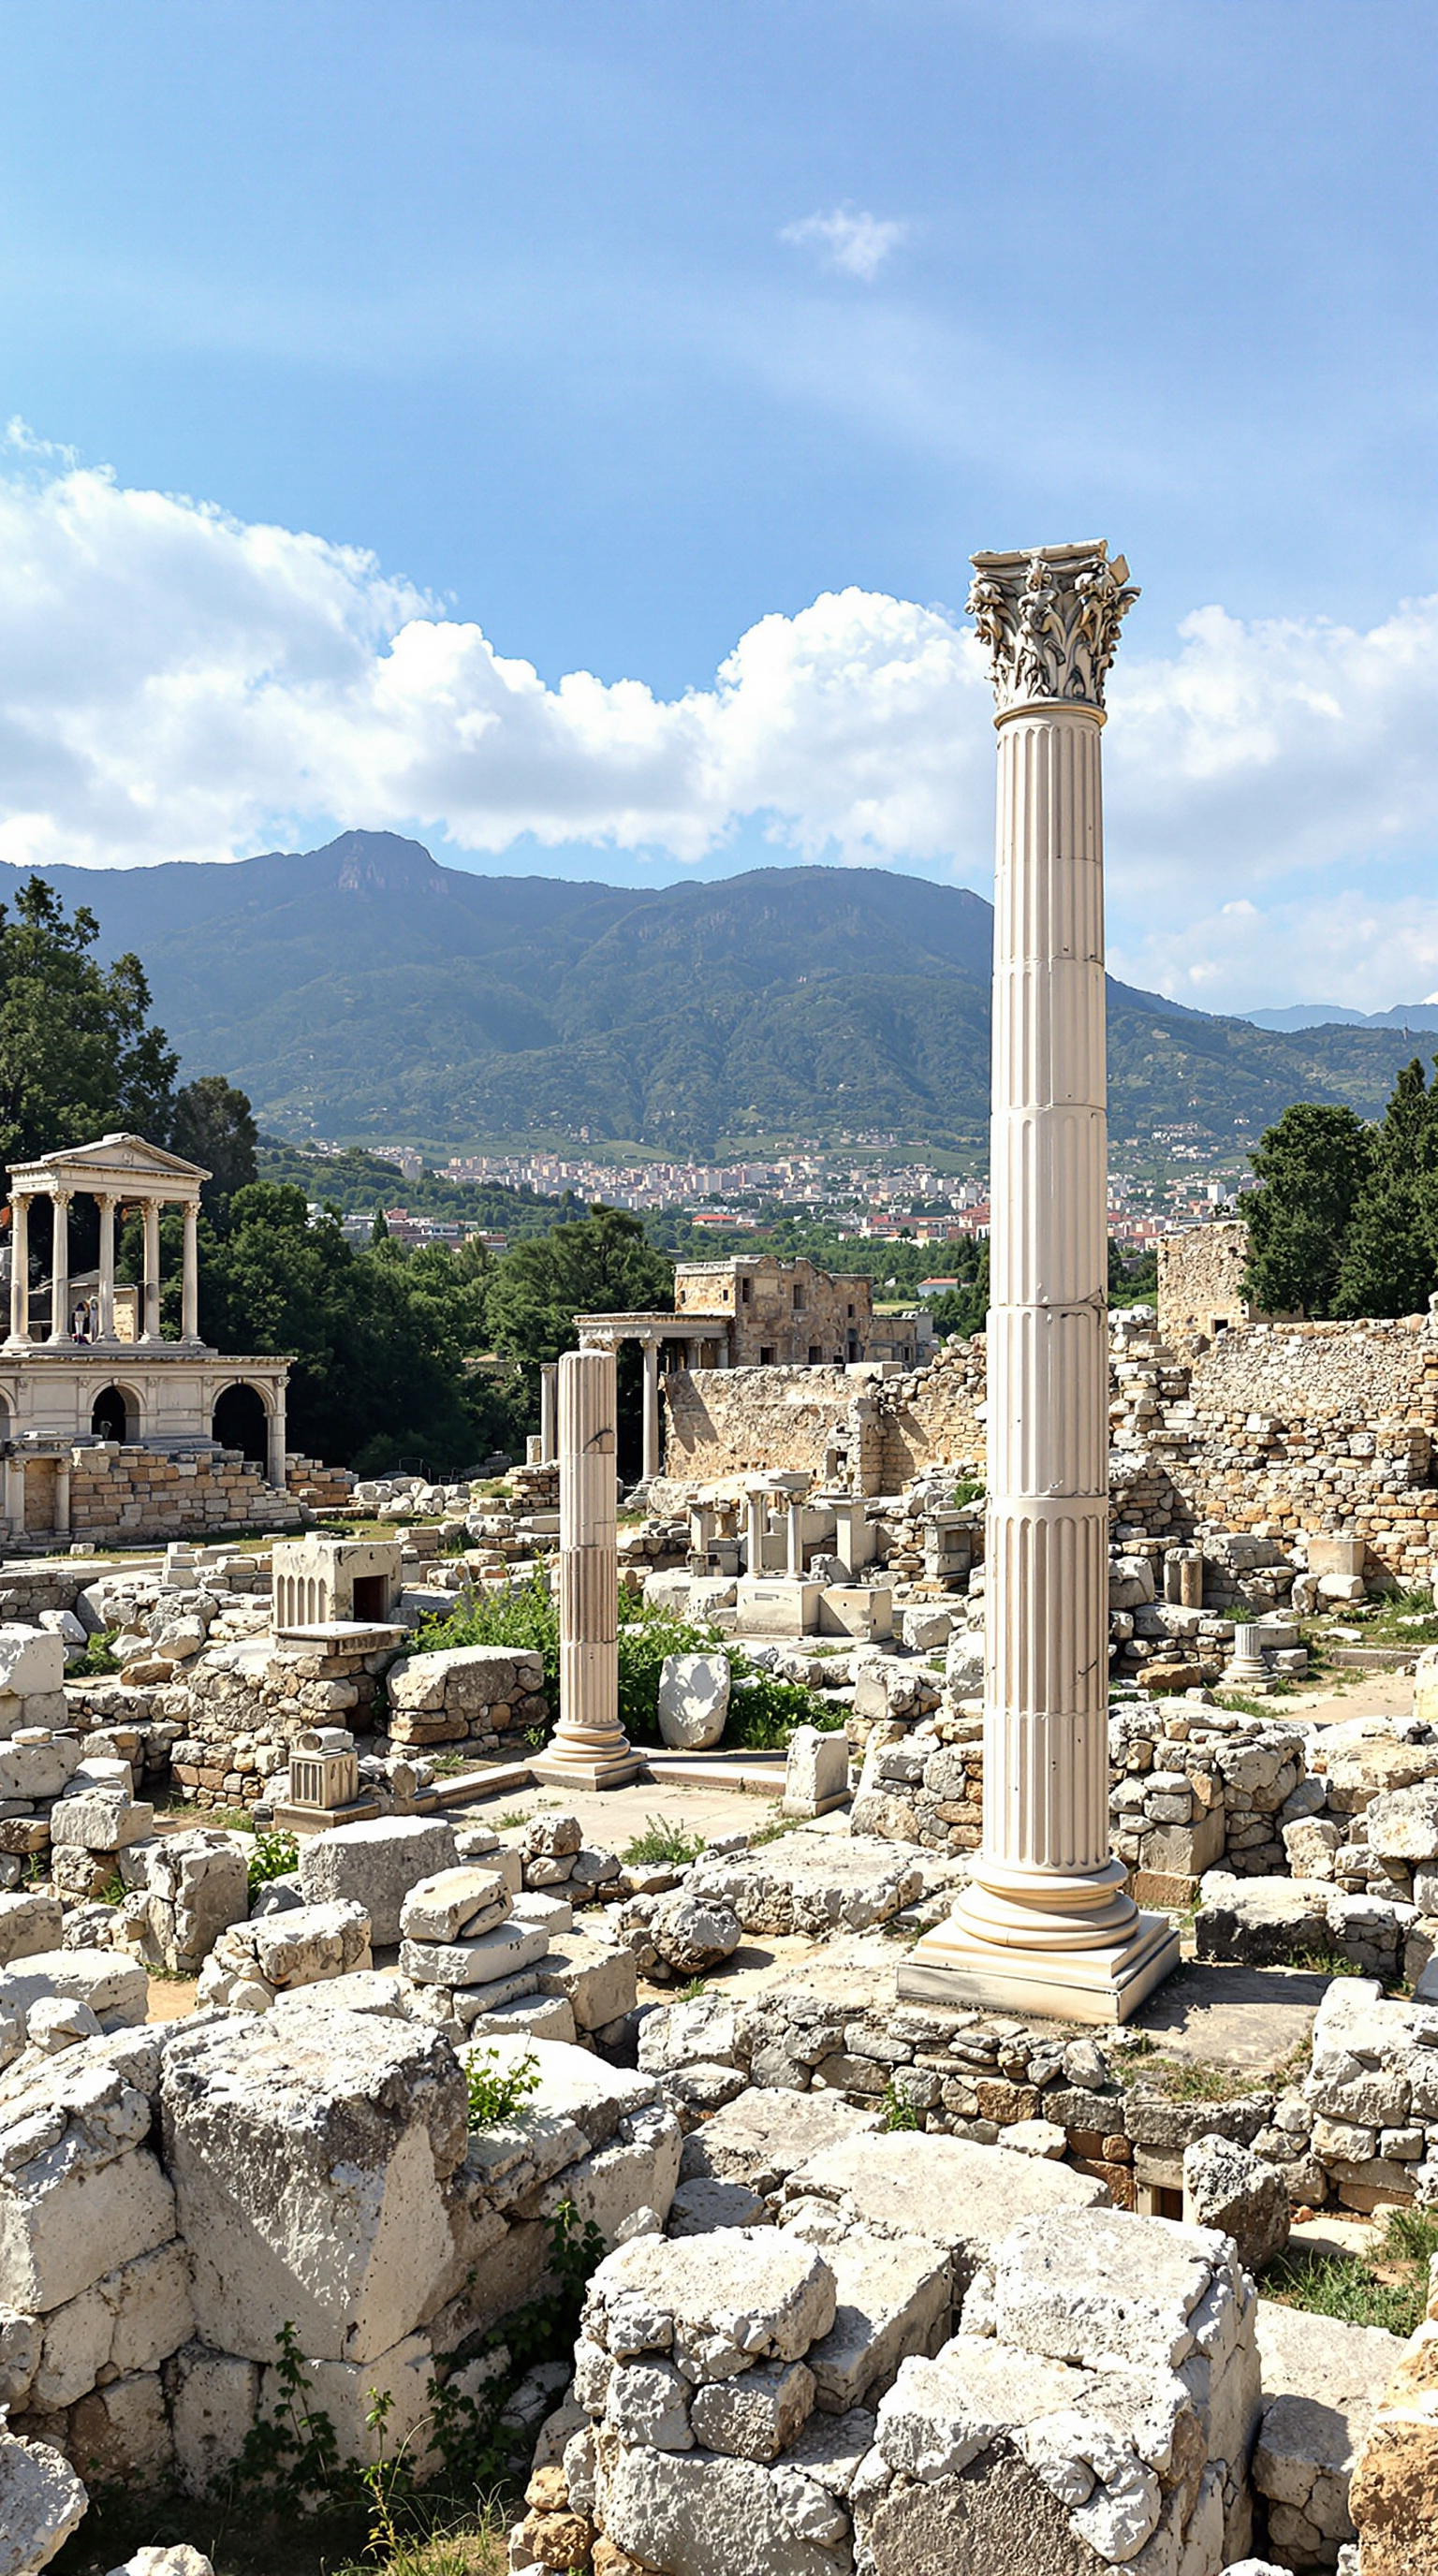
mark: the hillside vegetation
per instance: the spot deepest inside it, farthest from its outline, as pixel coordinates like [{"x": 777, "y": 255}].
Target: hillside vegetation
[{"x": 364, "y": 992}]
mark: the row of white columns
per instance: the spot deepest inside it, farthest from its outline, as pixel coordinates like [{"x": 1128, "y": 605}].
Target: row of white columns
[{"x": 108, "y": 1205}]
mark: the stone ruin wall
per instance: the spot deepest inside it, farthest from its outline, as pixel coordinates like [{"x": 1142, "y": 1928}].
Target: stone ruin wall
[
  {"x": 1284, "y": 1429},
  {"x": 1200, "y": 1278},
  {"x": 732, "y": 1422}
]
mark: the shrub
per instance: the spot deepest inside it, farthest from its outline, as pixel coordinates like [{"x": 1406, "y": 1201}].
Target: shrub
[
  {"x": 497, "y": 2092},
  {"x": 274, "y": 1856},
  {"x": 97, "y": 1658},
  {"x": 522, "y": 1615},
  {"x": 660, "y": 1842}
]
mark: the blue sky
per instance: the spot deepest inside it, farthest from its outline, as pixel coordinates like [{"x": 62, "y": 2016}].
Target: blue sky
[{"x": 625, "y": 332}]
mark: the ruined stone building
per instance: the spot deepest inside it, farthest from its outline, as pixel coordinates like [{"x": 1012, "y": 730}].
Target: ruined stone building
[
  {"x": 107, "y": 1428},
  {"x": 780, "y": 1314}
]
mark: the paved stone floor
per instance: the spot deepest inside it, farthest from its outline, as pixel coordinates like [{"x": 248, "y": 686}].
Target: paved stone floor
[{"x": 1251, "y": 2019}]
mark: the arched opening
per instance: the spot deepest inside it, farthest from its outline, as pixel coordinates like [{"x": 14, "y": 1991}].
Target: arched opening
[
  {"x": 112, "y": 1415},
  {"x": 241, "y": 1422}
]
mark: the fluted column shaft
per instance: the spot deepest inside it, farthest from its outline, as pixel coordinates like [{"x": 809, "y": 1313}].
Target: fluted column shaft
[
  {"x": 1046, "y": 1753},
  {"x": 20, "y": 1267},
  {"x": 588, "y": 1746}
]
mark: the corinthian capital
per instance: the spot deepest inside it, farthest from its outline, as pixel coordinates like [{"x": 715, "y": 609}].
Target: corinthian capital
[{"x": 1050, "y": 617}]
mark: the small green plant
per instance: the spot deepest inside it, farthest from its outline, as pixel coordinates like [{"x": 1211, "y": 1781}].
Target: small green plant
[
  {"x": 662, "y": 1844},
  {"x": 1343, "y": 2286},
  {"x": 114, "y": 1891},
  {"x": 1409, "y": 2236},
  {"x": 274, "y": 1856},
  {"x": 1323, "y": 1963},
  {"x": 690, "y": 1993},
  {"x": 97, "y": 1658},
  {"x": 496, "y": 2092},
  {"x": 511, "y": 1817},
  {"x": 770, "y": 1833},
  {"x": 899, "y": 2111},
  {"x": 967, "y": 1490}
]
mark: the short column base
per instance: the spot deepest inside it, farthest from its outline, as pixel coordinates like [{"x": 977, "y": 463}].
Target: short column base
[
  {"x": 601, "y": 1769},
  {"x": 952, "y": 1965}
]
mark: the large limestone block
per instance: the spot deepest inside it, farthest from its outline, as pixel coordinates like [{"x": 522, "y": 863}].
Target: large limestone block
[
  {"x": 345, "y": 2391},
  {"x": 461, "y": 1681},
  {"x": 195, "y": 1885},
  {"x": 505, "y": 1951},
  {"x": 696, "y": 2514},
  {"x": 120, "y": 2434},
  {"x": 28, "y": 1923},
  {"x": 456, "y": 1904},
  {"x": 955, "y": 2194},
  {"x": 574, "y": 2084},
  {"x": 37, "y": 1763},
  {"x": 213, "y": 2399},
  {"x": 693, "y": 1701},
  {"x": 1261, "y": 1921},
  {"x": 77, "y": 2204},
  {"x": 893, "y": 2300},
  {"x": 376, "y": 1865},
  {"x": 1228, "y": 2187},
  {"x": 309, "y": 2154},
  {"x": 102, "y": 1819},
  {"x": 114, "y": 1986},
  {"x": 31, "y": 1660},
  {"x": 1404, "y": 1825},
  {"x": 132, "y": 2320},
  {"x": 598, "y": 1979},
  {"x": 761, "y": 2137},
  {"x": 715, "y": 2304},
  {"x": 41, "y": 2503},
  {"x": 1322, "y": 2381},
  {"x": 636, "y": 2172}
]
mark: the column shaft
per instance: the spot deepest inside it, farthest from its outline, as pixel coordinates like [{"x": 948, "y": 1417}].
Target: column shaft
[
  {"x": 190, "y": 1277},
  {"x": 150, "y": 1317},
  {"x": 60, "y": 1267},
  {"x": 106, "y": 1207},
  {"x": 20, "y": 1267},
  {"x": 548, "y": 1387},
  {"x": 588, "y": 1747},
  {"x": 651, "y": 1410},
  {"x": 275, "y": 1444}
]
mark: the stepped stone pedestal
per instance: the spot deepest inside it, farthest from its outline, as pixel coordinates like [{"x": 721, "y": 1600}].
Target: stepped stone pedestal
[{"x": 1046, "y": 1924}]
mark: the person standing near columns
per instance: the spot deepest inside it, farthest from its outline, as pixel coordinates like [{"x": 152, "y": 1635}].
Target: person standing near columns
[
  {"x": 588, "y": 1749},
  {"x": 20, "y": 1269},
  {"x": 150, "y": 1320},
  {"x": 651, "y": 1410},
  {"x": 60, "y": 1267},
  {"x": 1046, "y": 1923}
]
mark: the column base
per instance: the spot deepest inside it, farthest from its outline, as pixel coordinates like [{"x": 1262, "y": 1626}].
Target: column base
[
  {"x": 616, "y": 1770},
  {"x": 951, "y": 1965}
]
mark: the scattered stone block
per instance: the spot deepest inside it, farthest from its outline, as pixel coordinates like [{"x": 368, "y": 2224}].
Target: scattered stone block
[
  {"x": 893, "y": 2300},
  {"x": 1322, "y": 2380},
  {"x": 309, "y": 2154},
  {"x": 114, "y": 1986},
  {"x": 598, "y": 1981},
  {"x": 816, "y": 1771},
  {"x": 375, "y": 1865},
  {"x": 693, "y": 1934},
  {"x": 1227, "y": 2187},
  {"x": 41, "y": 2503},
  {"x": 29, "y": 1923},
  {"x": 761, "y": 2137}
]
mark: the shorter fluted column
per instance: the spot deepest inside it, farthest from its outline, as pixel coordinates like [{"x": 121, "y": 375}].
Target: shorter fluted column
[
  {"x": 588, "y": 1749},
  {"x": 106, "y": 1319},
  {"x": 150, "y": 1316}
]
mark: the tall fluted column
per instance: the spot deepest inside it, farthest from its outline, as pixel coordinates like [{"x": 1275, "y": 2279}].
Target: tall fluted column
[
  {"x": 548, "y": 1384},
  {"x": 651, "y": 1410},
  {"x": 106, "y": 1319},
  {"x": 588, "y": 1749},
  {"x": 60, "y": 1267},
  {"x": 20, "y": 1268},
  {"x": 1046, "y": 1923},
  {"x": 150, "y": 1299},
  {"x": 190, "y": 1275}
]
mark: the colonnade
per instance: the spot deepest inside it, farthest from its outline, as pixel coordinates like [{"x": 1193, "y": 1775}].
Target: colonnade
[{"x": 110, "y": 1204}]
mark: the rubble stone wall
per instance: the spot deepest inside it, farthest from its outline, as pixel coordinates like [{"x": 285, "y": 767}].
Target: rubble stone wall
[
  {"x": 1200, "y": 1278},
  {"x": 731, "y": 1422},
  {"x": 123, "y": 1492}
]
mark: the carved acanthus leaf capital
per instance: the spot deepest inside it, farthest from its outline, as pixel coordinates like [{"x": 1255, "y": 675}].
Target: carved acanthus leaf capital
[{"x": 1050, "y": 617}]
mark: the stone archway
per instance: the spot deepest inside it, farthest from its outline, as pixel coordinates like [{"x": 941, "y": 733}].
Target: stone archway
[
  {"x": 115, "y": 1414},
  {"x": 241, "y": 1420}
]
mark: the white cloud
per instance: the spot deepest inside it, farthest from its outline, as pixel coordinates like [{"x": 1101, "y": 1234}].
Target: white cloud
[
  {"x": 858, "y": 244},
  {"x": 176, "y": 683}
]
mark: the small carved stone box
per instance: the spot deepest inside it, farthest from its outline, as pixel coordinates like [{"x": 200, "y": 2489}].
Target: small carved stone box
[{"x": 324, "y": 1769}]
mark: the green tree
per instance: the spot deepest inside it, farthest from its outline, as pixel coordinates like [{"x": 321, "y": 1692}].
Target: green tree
[
  {"x": 212, "y": 1124},
  {"x": 966, "y": 1309},
  {"x": 383, "y": 1341},
  {"x": 603, "y": 1265},
  {"x": 1389, "y": 1265},
  {"x": 78, "y": 1053},
  {"x": 1312, "y": 1169}
]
